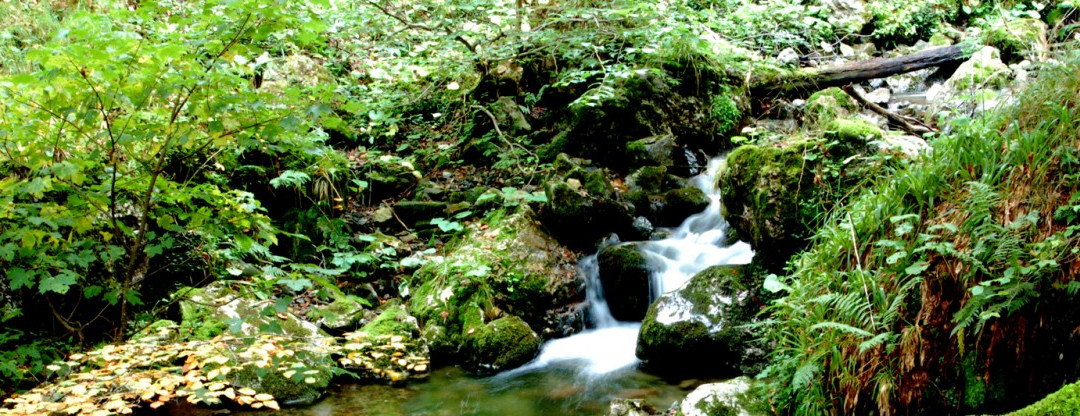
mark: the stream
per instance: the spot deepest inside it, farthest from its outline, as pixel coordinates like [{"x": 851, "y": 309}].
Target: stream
[{"x": 576, "y": 375}]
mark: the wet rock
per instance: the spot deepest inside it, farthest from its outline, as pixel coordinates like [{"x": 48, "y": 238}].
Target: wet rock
[
  {"x": 387, "y": 176},
  {"x": 641, "y": 106},
  {"x": 761, "y": 189},
  {"x": 581, "y": 217},
  {"x": 724, "y": 398},
  {"x": 498, "y": 345},
  {"x": 974, "y": 82},
  {"x": 564, "y": 321},
  {"x": 828, "y": 104},
  {"x": 511, "y": 120},
  {"x": 630, "y": 407},
  {"x": 624, "y": 276},
  {"x": 654, "y": 151},
  {"x": 850, "y": 136},
  {"x": 695, "y": 330},
  {"x": 218, "y": 307},
  {"x": 1019, "y": 39},
  {"x": 506, "y": 265},
  {"x": 678, "y": 204}
]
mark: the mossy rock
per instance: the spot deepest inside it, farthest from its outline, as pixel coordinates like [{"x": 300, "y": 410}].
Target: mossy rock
[
  {"x": 504, "y": 343},
  {"x": 510, "y": 266},
  {"x": 695, "y": 330},
  {"x": 848, "y": 137},
  {"x": 1065, "y": 401},
  {"x": 679, "y": 204},
  {"x": 762, "y": 188},
  {"x": 983, "y": 70},
  {"x": 311, "y": 377},
  {"x": 652, "y": 151},
  {"x": 625, "y": 277},
  {"x": 345, "y": 313},
  {"x": 394, "y": 320},
  {"x": 1018, "y": 39},
  {"x": 580, "y": 217},
  {"x": 828, "y": 104}
]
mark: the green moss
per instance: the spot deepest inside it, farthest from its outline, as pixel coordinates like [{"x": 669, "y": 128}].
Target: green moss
[
  {"x": 394, "y": 320},
  {"x": 197, "y": 321},
  {"x": 678, "y": 204},
  {"x": 649, "y": 178},
  {"x": 1017, "y": 39},
  {"x": 907, "y": 21},
  {"x": 503, "y": 343},
  {"x": 725, "y": 113},
  {"x": 597, "y": 183},
  {"x": 557, "y": 145},
  {"x": 984, "y": 70},
  {"x": 1065, "y": 401},
  {"x": 852, "y": 130},
  {"x": 827, "y": 105},
  {"x": 287, "y": 390}
]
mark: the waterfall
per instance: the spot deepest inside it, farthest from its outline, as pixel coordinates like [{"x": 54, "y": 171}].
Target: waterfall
[{"x": 609, "y": 345}]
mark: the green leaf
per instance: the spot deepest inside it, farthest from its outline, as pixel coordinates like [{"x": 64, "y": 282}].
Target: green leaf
[
  {"x": 20, "y": 278},
  {"x": 60, "y": 283},
  {"x": 917, "y": 268},
  {"x": 290, "y": 178},
  {"x": 296, "y": 285},
  {"x": 774, "y": 285}
]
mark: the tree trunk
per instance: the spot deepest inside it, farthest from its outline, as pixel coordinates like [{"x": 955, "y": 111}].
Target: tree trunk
[{"x": 804, "y": 81}]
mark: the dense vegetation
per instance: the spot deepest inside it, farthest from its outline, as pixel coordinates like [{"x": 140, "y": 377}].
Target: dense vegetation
[{"x": 385, "y": 167}]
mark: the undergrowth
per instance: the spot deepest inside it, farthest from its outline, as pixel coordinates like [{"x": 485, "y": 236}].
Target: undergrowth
[{"x": 938, "y": 287}]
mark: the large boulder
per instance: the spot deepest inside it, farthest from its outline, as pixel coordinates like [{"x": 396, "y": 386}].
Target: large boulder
[
  {"x": 974, "y": 86},
  {"x": 504, "y": 343},
  {"x": 583, "y": 207},
  {"x": 761, "y": 189},
  {"x": 222, "y": 306},
  {"x": 625, "y": 278},
  {"x": 697, "y": 329},
  {"x": 678, "y": 204},
  {"x": 505, "y": 266},
  {"x": 1018, "y": 39},
  {"x": 726, "y": 398},
  {"x": 647, "y": 105}
]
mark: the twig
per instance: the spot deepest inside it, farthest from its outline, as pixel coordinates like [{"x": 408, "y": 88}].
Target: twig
[{"x": 908, "y": 124}]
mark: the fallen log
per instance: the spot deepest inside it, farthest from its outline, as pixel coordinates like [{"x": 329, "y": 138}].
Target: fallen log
[
  {"x": 908, "y": 124},
  {"x": 807, "y": 80}
]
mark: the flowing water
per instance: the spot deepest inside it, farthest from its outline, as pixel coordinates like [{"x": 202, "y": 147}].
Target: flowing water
[{"x": 577, "y": 375}]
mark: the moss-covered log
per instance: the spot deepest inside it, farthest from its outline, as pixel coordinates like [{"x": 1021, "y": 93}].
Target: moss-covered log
[{"x": 803, "y": 81}]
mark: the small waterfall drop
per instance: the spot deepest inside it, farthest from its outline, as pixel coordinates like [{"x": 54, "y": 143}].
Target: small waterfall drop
[{"x": 609, "y": 345}]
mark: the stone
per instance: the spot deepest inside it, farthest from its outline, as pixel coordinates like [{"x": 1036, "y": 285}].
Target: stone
[
  {"x": 723, "y": 398},
  {"x": 412, "y": 212},
  {"x": 580, "y": 217},
  {"x": 879, "y": 96},
  {"x": 1019, "y": 39},
  {"x": 825, "y": 105},
  {"x": 630, "y": 407},
  {"x": 846, "y": 16},
  {"x": 788, "y": 57},
  {"x": 505, "y": 265},
  {"x": 678, "y": 204},
  {"x": 625, "y": 278},
  {"x": 498, "y": 345},
  {"x": 393, "y": 321},
  {"x": 217, "y": 307},
  {"x": 696, "y": 330},
  {"x": 651, "y": 151},
  {"x": 972, "y": 86},
  {"x": 511, "y": 120},
  {"x": 761, "y": 189}
]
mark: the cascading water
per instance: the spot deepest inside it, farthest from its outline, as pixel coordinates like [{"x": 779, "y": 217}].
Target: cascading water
[
  {"x": 577, "y": 375},
  {"x": 695, "y": 245}
]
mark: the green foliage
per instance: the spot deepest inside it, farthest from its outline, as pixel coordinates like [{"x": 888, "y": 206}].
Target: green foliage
[
  {"x": 857, "y": 301},
  {"x": 906, "y": 21}
]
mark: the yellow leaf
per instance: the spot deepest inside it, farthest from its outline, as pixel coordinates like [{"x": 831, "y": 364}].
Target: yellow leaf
[
  {"x": 310, "y": 380},
  {"x": 262, "y": 397},
  {"x": 230, "y": 393},
  {"x": 256, "y": 405},
  {"x": 246, "y": 391},
  {"x": 272, "y": 404},
  {"x": 156, "y": 405}
]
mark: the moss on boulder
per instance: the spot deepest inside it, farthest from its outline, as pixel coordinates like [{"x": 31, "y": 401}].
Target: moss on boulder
[
  {"x": 624, "y": 275},
  {"x": 508, "y": 267},
  {"x": 504, "y": 343},
  {"x": 1018, "y": 39},
  {"x": 696, "y": 329},
  {"x": 1065, "y": 401},
  {"x": 394, "y": 320},
  {"x": 828, "y": 104},
  {"x": 761, "y": 188},
  {"x": 678, "y": 204}
]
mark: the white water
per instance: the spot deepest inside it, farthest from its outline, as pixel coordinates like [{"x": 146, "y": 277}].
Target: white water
[{"x": 693, "y": 246}]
